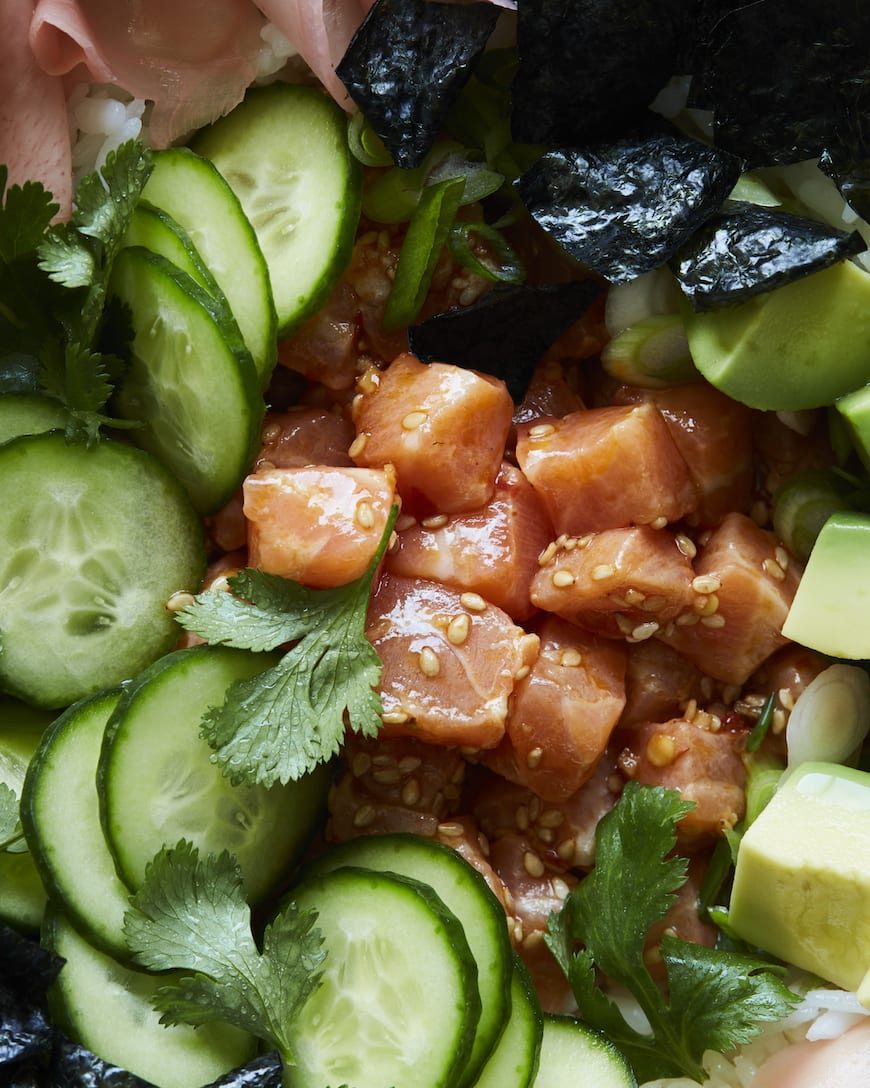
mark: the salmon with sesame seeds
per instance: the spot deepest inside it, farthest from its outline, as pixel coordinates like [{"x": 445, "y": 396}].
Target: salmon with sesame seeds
[
  {"x": 442, "y": 427},
  {"x": 605, "y": 468},
  {"x": 304, "y": 436},
  {"x": 449, "y": 671},
  {"x": 659, "y": 682},
  {"x": 320, "y": 525},
  {"x": 744, "y": 582},
  {"x": 492, "y": 552}
]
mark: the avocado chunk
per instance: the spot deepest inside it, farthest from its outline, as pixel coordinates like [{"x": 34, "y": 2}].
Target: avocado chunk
[
  {"x": 831, "y": 608},
  {"x": 800, "y": 346},
  {"x": 802, "y": 880},
  {"x": 854, "y": 408}
]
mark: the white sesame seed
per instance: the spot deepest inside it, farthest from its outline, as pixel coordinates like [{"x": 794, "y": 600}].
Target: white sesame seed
[
  {"x": 571, "y": 659},
  {"x": 534, "y": 758},
  {"x": 473, "y": 602},
  {"x": 706, "y": 583},
  {"x": 602, "y": 571},
  {"x": 178, "y": 601},
  {"x": 413, "y": 420},
  {"x": 562, "y": 578},
  {"x": 430, "y": 662},
  {"x": 541, "y": 430},
  {"x": 458, "y": 629},
  {"x": 394, "y": 717},
  {"x": 411, "y": 792},
  {"x": 436, "y": 521},
  {"x": 716, "y": 620},
  {"x": 358, "y": 444},
  {"x": 771, "y": 567},
  {"x": 365, "y": 515},
  {"x": 533, "y": 864}
]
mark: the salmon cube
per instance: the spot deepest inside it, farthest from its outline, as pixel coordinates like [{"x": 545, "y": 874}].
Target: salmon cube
[
  {"x": 449, "y": 670},
  {"x": 304, "y": 436},
  {"x": 603, "y": 468},
  {"x": 320, "y": 525},
  {"x": 563, "y": 712},
  {"x": 745, "y": 581},
  {"x": 442, "y": 427},
  {"x": 492, "y": 551},
  {"x": 714, "y": 435},
  {"x": 638, "y": 578}
]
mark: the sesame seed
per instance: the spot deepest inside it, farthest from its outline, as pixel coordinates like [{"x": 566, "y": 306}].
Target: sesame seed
[
  {"x": 661, "y": 749},
  {"x": 541, "y": 430},
  {"x": 534, "y": 808},
  {"x": 178, "y": 601},
  {"x": 706, "y": 605},
  {"x": 533, "y": 940},
  {"x": 387, "y": 776},
  {"x": 686, "y": 619},
  {"x": 356, "y": 406},
  {"x": 430, "y": 662},
  {"x": 473, "y": 602},
  {"x": 534, "y": 758},
  {"x": 551, "y": 817},
  {"x": 560, "y": 888},
  {"x": 450, "y": 830},
  {"x": 786, "y": 698},
  {"x": 659, "y": 523},
  {"x": 364, "y": 816},
  {"x": 602, "y": 571},
  {"x": 779, "y": 721},
  {"x": 634, "y": 597},
  {"x": 691, "y": 710},
  {"x": 565, "y": 850},
  {"x": 221, "y": 584},
  {"x": 409, "y": 764},
  {"x": 625, "y": 625},
  {"x": 771, "y": 567},
  {"x": 533, "y": 864},
  {"x": 546, "y": 835},
  {"x": 571, "y": 659},
  {"x": 686, "y": 545},
  {"x": 369, "y": 382},
  {"x": 436, "y": 521},
  {"x": 522, "y": 672},
  {"x": 405, "y": 521},
  {"x": 360, "y": 763},
  {"x": 654, "y": 603},
  {"x": 547, "y": 554},
  {"x": 759, "y": 512},
  {"x": 562, "y": 578},
  {"x": 517, "y": 929},
  {"x": 782, "y": 557},
  {"x": 413, "y": 420},
  {"x": 394, "y": 717},
  {"x": 521, "y": 818},
  {"x": 358, "y": 445},
  {"x": 483, "y": 843},
  {"x": 706, "y": 583},
  {"x": 715, "y": 621},
  {"x": 365, "y": 515},
  {"x": 458, "y": 629},
  {"x": 643, "y": 631}
]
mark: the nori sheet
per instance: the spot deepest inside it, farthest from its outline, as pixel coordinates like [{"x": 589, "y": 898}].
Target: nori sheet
[
  {"x": 506, "y": 332},
  {"x": 749, "y": 249},
  {"x": 406, "y": 65},
  {"x": 589, "y": 68},
  {"x": 625, "y": 208}
]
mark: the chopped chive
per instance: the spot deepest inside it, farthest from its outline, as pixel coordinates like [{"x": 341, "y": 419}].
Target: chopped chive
[
  {"x": 756, "y": 737},
  {"x": 499, "y": 262}
]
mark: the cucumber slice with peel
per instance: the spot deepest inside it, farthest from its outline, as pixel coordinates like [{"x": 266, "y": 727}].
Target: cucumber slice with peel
[
  {"x": 569, "y": 1046},
  {"x": 198, "y": 199},
  {"x": 513, "y": 1062},
  {"x": 198, "y": 399},
  {"x": 94, "y": 542},
  {"x": 29, "y": 413},
  {"x": 398, "y": 1001},
  {"x": 284, "y": 153},
  {"x": 157, "y": 783}
]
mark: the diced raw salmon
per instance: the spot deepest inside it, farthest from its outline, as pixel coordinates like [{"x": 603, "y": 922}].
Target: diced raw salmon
[
  {"x": 553, "y": 391},
  {"x": 659, "y": 682},
  {"x": 442, "y": 427},
  {"x": 492, "y": 551},
  {"x": 745, "y": 583},
  {"x": 604, "y": 468},
  {"x": 304, "y": 436},
  {"x": 714, "y": 435},
  {"x": 563, "y": 712},
  {"x": 619, "y": 582},
  {"x": 321, "y": 525},
  {"x": 449, "y": 670}
]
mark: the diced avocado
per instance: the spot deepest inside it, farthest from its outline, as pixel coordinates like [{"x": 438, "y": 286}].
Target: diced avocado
[
  {"x": 831, "y": 608},
  {"x": 802, "y": 880},
  {"x": 854, "y": 409},
  {"x": 799, "y": 346}
]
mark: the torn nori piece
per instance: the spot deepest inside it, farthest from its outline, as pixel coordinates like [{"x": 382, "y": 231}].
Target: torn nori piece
[
  {"x": 750, "y": 249},
  {"x": 588, "y": 68},
  {"x": 263, "y": 1072},
  {"x": 850, "y": 172},
  {"x": 74, "y": 1066},
  {"x": 26, "y": 970},
  {"x": 625, "y": 208},
  {"x": 407, "y": 64},
  {"x": 782, "y": 77},
  {"x": 506, "y": 332}
]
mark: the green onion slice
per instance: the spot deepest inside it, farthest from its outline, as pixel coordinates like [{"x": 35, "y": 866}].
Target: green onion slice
[
  {"x": 364, "y": 143},
  {"x": 496, "y": 260}
]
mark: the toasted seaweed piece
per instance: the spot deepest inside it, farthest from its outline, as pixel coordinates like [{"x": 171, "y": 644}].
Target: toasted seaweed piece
[
  {"x": 74, "y": 1066},
  {"x": 588, "y": 68},
  {"x": 850, "y": 171},
  {"x": 783, "y": 77},
  {"x": 406, "y": 65},
  {"x": 750, "y": 249},
  {"x": 625, "y": 208},
  {"x": 26, "y": 970},
  {"x": 262, "y": 1072},
  {"x": 506, "y": 332}
]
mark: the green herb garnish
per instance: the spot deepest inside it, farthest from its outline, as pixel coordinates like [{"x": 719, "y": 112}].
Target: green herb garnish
[
  {"x": 191, "y": 915},
  {"x": 715, "y": 1000},
  {"x": 11, "y": 834},
  {"x": 281, "y": 723}
]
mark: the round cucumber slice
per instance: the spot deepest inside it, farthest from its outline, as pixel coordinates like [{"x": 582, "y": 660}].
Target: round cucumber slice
[
  {"x": 284, "y": 153},
  {"x": 107, "y": 1008},
  {"x": 197, "y": 397},
  {"x": 28, "y": 413},
  {"x": 94, "y": 542},
  {"x": 398, "y": 1002},
  {"x": 158, "y": 784}
]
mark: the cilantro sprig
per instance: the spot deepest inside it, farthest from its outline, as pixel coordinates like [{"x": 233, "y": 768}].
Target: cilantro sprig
[
  {"x": 190, "y": 915},
  {"x": 11, "y": 834},
  {"x": 280, "y": 724},
  {"x": 54, "y": 288},
  {"x": 715, "y": 999}
]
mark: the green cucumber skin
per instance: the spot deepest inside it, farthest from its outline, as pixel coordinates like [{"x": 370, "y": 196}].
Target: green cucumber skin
[
  {"x": 514, "y": 1060},
  {"x": 260, "y": 134},
  {"x": 104, "y": 531},
  {"x": 568, "y": 1045},
  {"x": 463, "y": 889},
  {"x": 49, "y": 777},
  {"x": 28, "y": 413}
]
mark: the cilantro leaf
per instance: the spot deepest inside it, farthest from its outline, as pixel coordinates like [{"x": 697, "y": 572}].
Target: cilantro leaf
[
  {"x": 191, "y": 915},
  {"x": 83, "y": 381},
  {"x": 281, "y": 723},
  {"x": 715, "y": 999},
  {"x": 11, "y": 835},
  {"x": 25, "y": 215}
]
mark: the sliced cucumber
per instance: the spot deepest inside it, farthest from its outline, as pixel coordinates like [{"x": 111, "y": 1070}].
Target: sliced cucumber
[
  {"x": 61, "y": 817},
  {"x": 28, "y": 413},
  {"x": 193, "y": 193},
  {"x": 107, "y": 1008},
  {"x": 93, "y": 542},
  {"x": 568, "y": 1046},
  {"x": 398, "y": 1003},
  {"x": 157, "y": 782},
  {"x": 199, "y": 399},
  {"x": 22, "y": 895},
  {"x": 464, "y": 891},
  {"x": 284, "y": 152},
  {"x": 514, "y": 1061}
]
